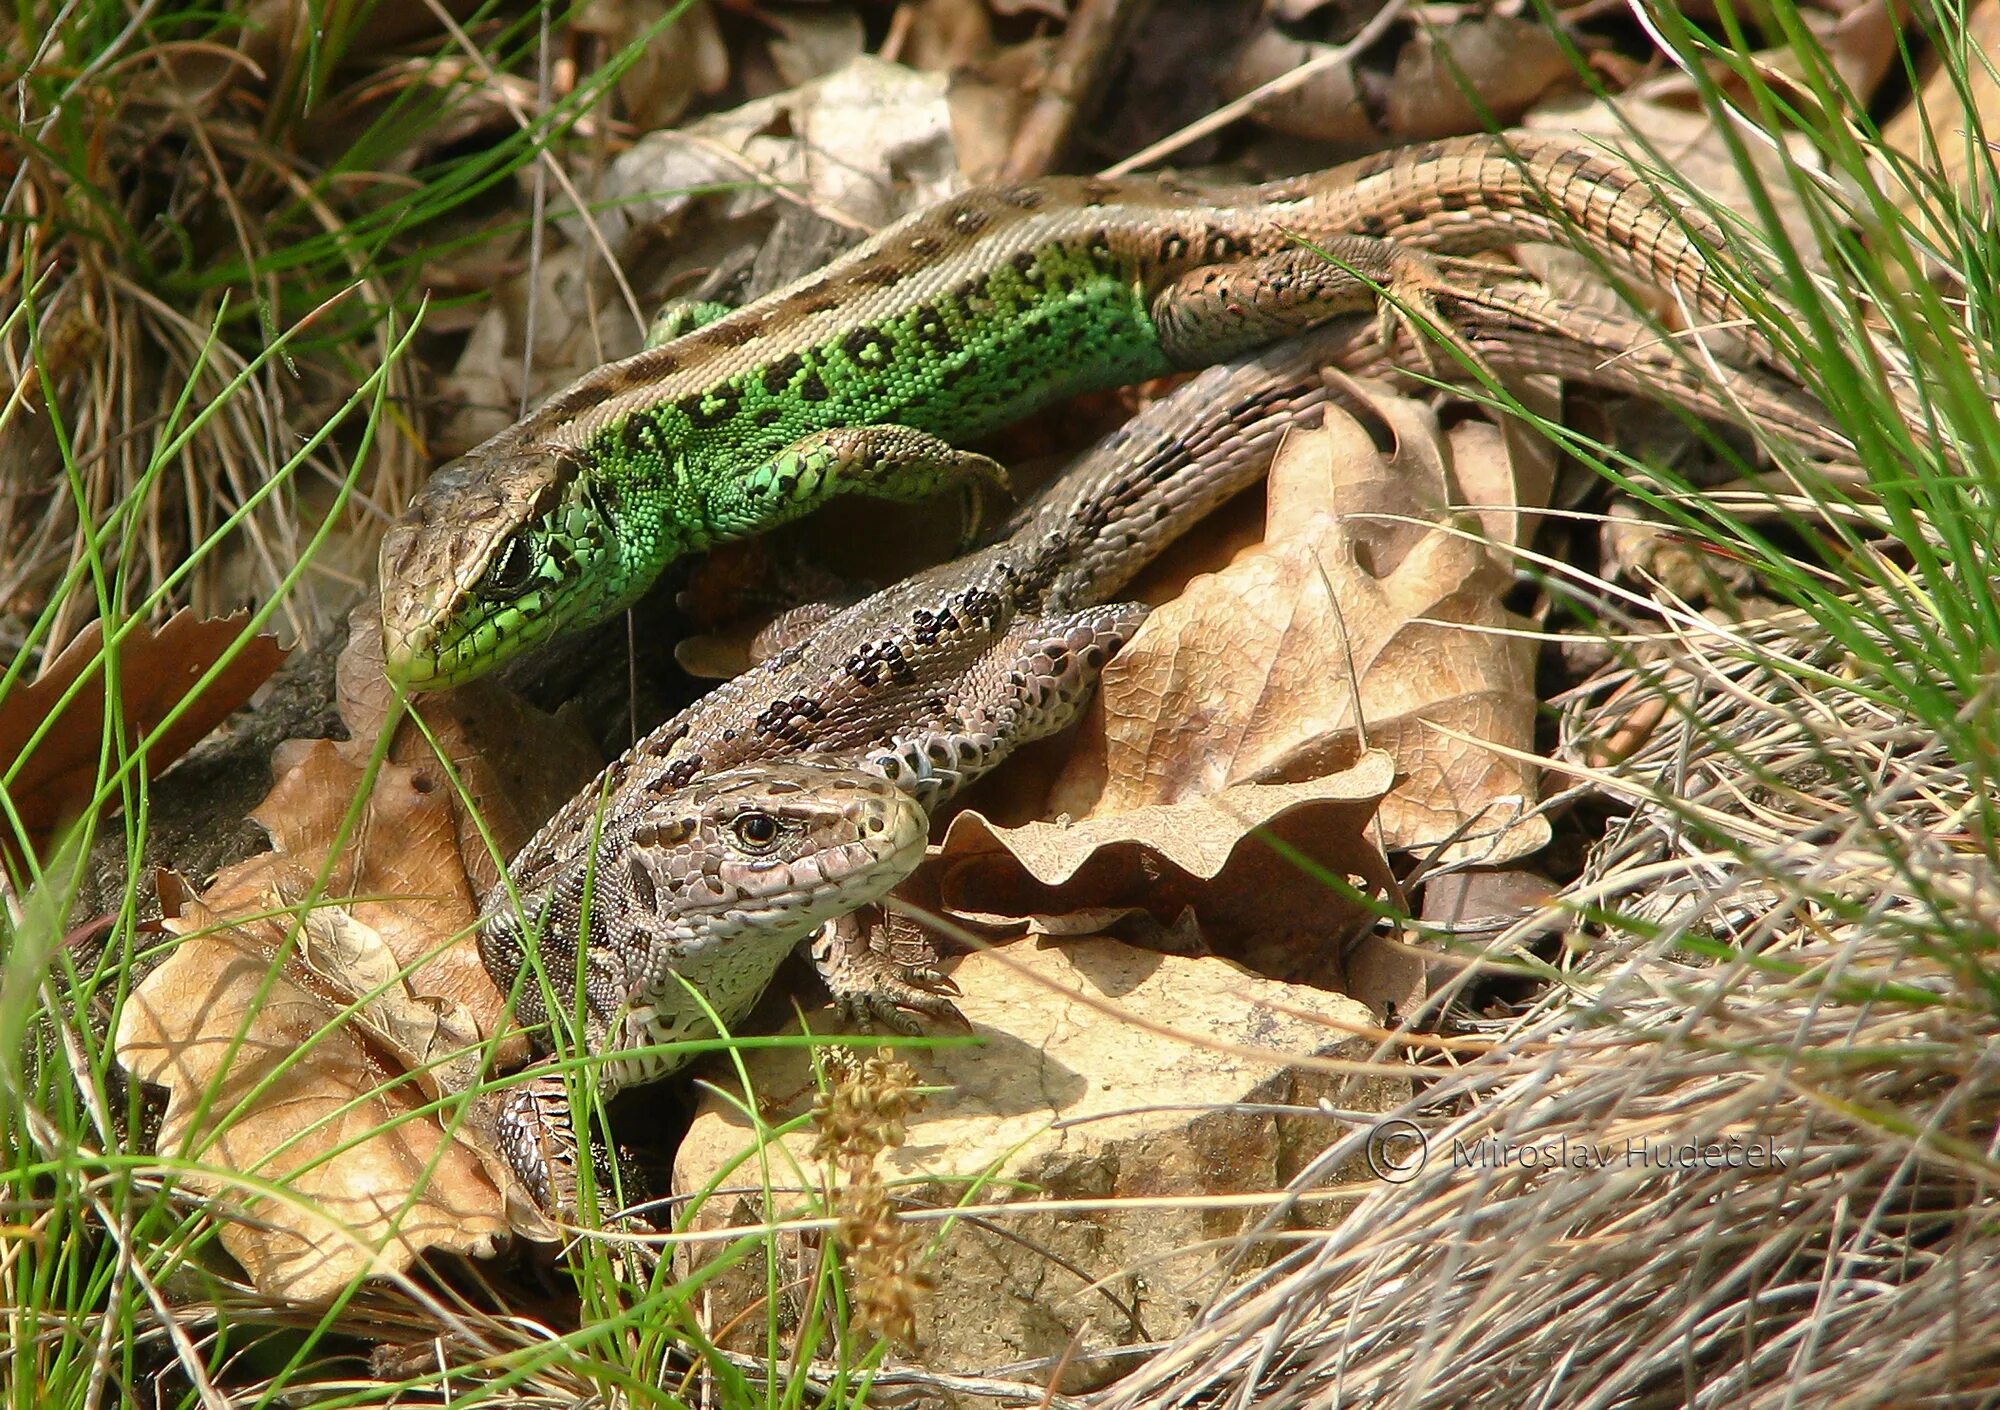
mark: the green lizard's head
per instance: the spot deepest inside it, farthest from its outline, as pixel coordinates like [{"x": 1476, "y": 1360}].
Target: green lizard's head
[{"x": 498, "y": 552}]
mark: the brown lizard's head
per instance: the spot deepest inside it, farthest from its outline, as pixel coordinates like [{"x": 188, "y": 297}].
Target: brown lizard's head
[{"x": 499, "y": 551}]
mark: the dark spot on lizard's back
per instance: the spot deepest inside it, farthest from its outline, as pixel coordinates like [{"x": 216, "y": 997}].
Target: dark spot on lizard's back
[
  {"x": 927, "y": 322},
  {"x": 868, "y": 345},
  {"x": 816, "y": 297},
  {"x": 1024, "y": 265},
  {"x": 778, "y": 376},
  {"x": 1173, "y": 247},
  {"x": 770, "y": 416},
  {"x": 878, "y": 276},
  {"x": 812, "y": 387},
  {"x": 863, "y": 669},
  {"x": 1098, "y": 192},
  {"x": 900, "y": 670},
  {"x": 924, "y": 246},
  {"x": 968, "y": 220},
  {"x": 678, "y": 774},
  {"x": 981, "y": 604},
  {"x": 727, "y": 398},
  {"x": 1221, "y": 245},
  {"x": 660, "y": 748},
  {"x": 1099, "y": 245},
  {"x": 1024, "y": 198},
  {"x": 734, "y": 332}
]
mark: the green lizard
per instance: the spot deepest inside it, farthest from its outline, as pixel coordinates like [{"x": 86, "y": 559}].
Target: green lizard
[{"x": 953, "y": 322}]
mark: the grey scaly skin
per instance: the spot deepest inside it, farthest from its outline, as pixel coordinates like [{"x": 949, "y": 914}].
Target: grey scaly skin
[
  {"x": 933, "y": 681},
  {"x": 859, "y": 379},
  {"x": 715, "y": 881}
]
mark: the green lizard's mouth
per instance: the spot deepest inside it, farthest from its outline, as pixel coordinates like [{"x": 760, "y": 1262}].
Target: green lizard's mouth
[{"x": 486, "y": 563}]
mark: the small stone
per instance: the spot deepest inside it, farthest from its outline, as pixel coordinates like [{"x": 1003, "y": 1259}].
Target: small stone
[{"x": 1146, "y": 1060}]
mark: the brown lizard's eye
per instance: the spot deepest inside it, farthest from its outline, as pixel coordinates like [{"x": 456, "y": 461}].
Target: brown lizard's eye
[
  {"x": 512, "y": 569},
  {"x": 757, "y": 831}
]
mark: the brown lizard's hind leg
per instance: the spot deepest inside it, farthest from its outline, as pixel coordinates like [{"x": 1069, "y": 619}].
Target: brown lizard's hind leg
[{"x": 1220, "y": 311}]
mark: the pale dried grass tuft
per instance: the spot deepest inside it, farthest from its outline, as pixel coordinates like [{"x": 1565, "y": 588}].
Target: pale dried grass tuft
[{"x": 1783, "y": 949}]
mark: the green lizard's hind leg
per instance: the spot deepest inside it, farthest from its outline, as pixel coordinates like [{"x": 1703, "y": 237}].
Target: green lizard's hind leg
[
  {"x": 883, "y": 462},
  {"x": 1220, "y": 311}
]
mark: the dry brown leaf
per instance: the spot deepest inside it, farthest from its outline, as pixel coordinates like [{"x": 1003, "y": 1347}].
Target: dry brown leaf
[
  {"x": 1206, "y": 861},
  {"x": 515, "y": 764},
  {"x": 157, "y": 668},
  {"x": 327, "y": 1114},
  {"x": 1468, "y": 75},
  {"x": 989, "y": 101},
  {"x": 1328, "y": 106},
  {"x": 943, "y": 36},
  {"x": 384, "y": 929},
  {"x": 810, "y": 44},
  {"x": 685, "y": 59},
  {"x": 1367, "y": 588},
  {"x": 399, "y": 876}
]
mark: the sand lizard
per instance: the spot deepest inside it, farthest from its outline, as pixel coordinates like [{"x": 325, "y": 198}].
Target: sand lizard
[
  {"x": 948, "y": 324},
  {"x": 932, "y": 682}
]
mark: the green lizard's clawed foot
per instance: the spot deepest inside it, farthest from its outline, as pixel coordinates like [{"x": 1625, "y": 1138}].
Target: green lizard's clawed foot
[
  {"x": 878, "y": 977},
  {"x": 882, "y": 462}
]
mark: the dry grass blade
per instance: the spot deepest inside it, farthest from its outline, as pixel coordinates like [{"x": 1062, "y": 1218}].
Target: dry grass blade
[{"x": 176, "y": 198}]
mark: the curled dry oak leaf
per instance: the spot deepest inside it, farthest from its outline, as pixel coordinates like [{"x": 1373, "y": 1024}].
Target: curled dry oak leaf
[
  {"x": 1361, "y": 645},
  {"x": 157, "y": 667},
  {"x": 271, "y": 1076},
  {"x": 1227, "y": 868},
  {"x": 1370, "y": 617}
]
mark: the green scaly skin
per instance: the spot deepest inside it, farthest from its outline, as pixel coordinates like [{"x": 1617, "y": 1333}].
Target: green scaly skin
[{"x": 951, "y": 324}]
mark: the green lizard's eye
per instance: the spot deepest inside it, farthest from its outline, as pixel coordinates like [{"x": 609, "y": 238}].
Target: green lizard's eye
[
  {"x": 512, "y": 569},
  {"x": 756, "y": 831}
]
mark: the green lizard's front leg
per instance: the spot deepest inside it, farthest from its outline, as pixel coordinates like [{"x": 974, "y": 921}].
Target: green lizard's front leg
[{"x": 882, "y": 462}]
